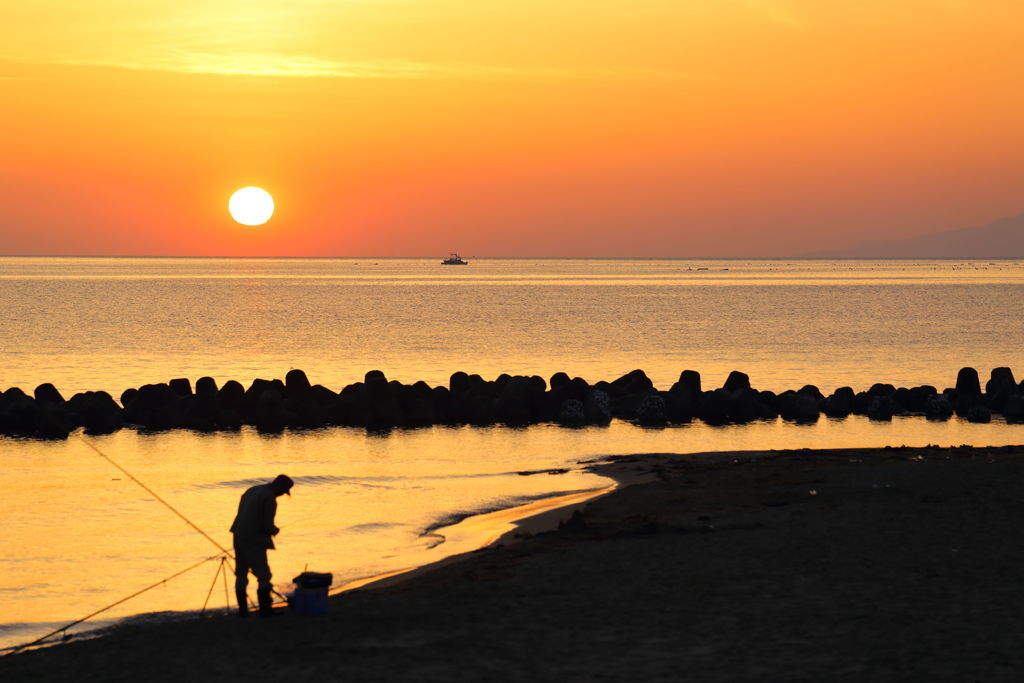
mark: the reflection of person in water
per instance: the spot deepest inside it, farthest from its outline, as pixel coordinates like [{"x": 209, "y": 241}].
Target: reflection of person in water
[{"x": 254, "y": 530}]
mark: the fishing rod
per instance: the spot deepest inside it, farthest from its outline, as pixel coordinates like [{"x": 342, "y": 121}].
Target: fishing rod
[
  {"x": 154, "y": 494},
  {"x": 224, "y": 556},
  {"x": 112, "y": 605},
  {"x": 227, "y": 554}
]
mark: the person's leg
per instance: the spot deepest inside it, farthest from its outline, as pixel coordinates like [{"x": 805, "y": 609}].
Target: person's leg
[
  {"x": 261, "y": 570},
  {"x": 242, "y": 566}
]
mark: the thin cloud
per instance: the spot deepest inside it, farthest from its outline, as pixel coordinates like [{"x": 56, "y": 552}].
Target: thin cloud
[
  {"x": 298, "y": 39},
  {"x": 283, "y": 66}
]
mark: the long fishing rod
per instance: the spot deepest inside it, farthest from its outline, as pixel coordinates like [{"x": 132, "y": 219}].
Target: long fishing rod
[
  {"x": 112, "y": 605},
  {"x": 225, "y": 557},
  {"x": 227, "y": 554},
  {"x": 154, "y": 494}
]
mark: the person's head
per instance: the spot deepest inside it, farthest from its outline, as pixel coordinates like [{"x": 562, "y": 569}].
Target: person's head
[{"x": 282, "y": 484}]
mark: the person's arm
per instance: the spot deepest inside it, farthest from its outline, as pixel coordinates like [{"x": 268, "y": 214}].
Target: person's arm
[{"x": 269, "y": 512}]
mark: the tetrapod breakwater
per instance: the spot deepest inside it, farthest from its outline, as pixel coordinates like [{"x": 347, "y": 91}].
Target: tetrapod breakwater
[{"x": 377, "y": 404}]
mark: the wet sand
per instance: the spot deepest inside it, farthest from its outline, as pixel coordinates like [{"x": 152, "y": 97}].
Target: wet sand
[{"x": 847, "y": 565}]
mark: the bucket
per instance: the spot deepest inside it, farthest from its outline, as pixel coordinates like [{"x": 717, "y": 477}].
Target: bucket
[{"x": 310, "y": 595}]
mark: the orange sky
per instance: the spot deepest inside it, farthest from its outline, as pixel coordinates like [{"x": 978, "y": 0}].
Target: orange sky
[{"x": 506, "y": 127}]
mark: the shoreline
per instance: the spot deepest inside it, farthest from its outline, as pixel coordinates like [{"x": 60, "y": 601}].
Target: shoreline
[
  {"x": 521, "y": 522},
  {"x": 497, "y": 527},
  {"x": 839, "y": 564},
  {"x": 507, "y": 525}
]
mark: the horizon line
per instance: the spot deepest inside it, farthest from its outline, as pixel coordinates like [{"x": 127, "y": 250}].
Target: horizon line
[{"x": 535, "y": 258}]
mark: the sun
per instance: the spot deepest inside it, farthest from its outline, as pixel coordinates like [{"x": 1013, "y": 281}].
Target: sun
[{"x": 251, "y": 206}]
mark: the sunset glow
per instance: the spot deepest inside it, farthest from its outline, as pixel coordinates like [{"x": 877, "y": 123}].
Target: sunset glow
[
  {"x": 414, "y": 127},
  {"x": 597, "y": 339}
]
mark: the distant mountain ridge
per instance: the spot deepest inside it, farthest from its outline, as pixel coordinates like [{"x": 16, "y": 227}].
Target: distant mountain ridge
[{"x": 1003, "y": 238}]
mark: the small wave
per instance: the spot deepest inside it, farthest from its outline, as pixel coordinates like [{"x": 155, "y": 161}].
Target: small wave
[
  {"x": 373, "y": 526},
  {"x": 27, "y": 632},
  {"x": 26, "y": 587},
  {"x": 326, "y": 479},
  {"x": 500, "y": 504},
  {"x": 313, "y": 480},
  {"x": 237, "y": 483},
  {"x": 433, "y": 539},
  {"x": 527, "y": 473},
  {"x": 26, "y": 625},
  {"x": 156, "y": 617}
]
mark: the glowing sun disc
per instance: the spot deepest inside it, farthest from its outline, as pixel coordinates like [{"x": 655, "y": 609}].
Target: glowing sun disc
[{"x": 251, "y": 206}]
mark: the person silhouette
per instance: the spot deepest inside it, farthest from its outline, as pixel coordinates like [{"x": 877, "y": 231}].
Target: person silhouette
[{"x": 253, "y": 531}]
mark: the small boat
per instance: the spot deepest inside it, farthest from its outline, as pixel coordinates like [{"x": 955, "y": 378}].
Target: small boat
[{"x": 454, "y": 260}]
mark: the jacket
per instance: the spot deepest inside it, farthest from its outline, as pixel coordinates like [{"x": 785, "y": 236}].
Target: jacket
[{"x": 254, "y": 523}]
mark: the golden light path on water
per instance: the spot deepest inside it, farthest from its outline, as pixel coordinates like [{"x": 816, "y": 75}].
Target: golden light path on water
[{"x": 78, "y": 535}]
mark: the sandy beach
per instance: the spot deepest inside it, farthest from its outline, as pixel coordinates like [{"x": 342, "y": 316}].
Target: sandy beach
[{"x": 847, "y": 565}]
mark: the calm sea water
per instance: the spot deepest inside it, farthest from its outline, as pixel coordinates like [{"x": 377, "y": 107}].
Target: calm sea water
[
  {"x": 112, "y": 323},
  {"x": 77, "y": 535}
]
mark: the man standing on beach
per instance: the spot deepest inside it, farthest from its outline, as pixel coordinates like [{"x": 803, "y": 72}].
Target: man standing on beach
[{"x": 253, "y": 531}]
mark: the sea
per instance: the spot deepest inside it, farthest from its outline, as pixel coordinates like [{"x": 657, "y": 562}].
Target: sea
[{"x": 79, "y": 533}]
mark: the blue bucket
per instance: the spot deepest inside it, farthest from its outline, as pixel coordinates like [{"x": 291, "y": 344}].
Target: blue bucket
[{"x": 310, "y": 595}]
